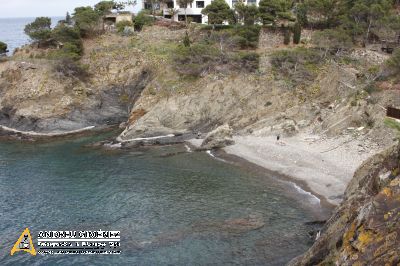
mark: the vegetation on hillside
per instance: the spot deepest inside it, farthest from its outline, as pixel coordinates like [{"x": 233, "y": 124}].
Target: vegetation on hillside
[{"x": 3, "y": 48}]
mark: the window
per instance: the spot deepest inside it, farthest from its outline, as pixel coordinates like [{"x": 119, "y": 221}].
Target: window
[
  {"x": 183, "y": 6},
  {"x": 251, "y": 2},
  {"x": 234, "y": 2},
  {"x": 147, "y": 5},
  {"x": 170, "y": 4},
  {"x": 200, "y": 4}
]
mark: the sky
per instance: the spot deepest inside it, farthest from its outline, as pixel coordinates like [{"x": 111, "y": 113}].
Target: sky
[{"x": 49, "y": 8}]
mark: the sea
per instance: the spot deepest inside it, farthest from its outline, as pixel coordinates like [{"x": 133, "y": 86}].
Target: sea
[
  {"x": 170, "y": 205},
  {"x": 12, "y": 31}
]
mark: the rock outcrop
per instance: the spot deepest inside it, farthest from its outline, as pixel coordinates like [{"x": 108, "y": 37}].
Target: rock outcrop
[
  {"x": 365, "y": 228},
  {"x": 218, "y": 138}
]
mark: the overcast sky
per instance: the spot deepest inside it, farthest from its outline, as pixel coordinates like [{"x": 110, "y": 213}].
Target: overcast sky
[{"x": 36, "y": 8}]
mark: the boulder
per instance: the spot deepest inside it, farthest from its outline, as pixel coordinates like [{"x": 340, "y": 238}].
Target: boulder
[{"x": 218, "y": 138}]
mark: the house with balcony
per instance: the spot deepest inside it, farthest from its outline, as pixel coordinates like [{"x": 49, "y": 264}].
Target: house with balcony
[{"x": 193, "y": 10}]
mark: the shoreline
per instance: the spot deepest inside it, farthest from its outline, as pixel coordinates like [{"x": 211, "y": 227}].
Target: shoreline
[
  {"x": 7, "y": 133},
  {"x": 317, "y": 165},
  {"x": 242, "y": 162}
]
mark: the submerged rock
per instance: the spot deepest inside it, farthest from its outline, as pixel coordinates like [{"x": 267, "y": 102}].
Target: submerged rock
[{"x": 218, "y": 138}]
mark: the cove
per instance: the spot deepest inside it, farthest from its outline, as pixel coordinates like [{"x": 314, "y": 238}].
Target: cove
[{"x": 184, "y": 209}]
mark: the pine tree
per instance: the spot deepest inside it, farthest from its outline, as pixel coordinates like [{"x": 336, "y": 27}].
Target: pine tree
[
  {"x": 68, "y": 20},
  {"x": 296, "y": 33},
  {"x": 186, "y": 40}
]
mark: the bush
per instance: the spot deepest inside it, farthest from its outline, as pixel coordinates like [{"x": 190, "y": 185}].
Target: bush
[
  {"x": 296, "y": 33},
  {"x": 393, "y": 63},
  {"x": 299, "y": 65},
  {"x": 247, "y": 36},
  {"x": 122, "y": 24},
  {"x": 3, "y": 48},
  {"x": 143, "y": 19},
  {"x": 247, "y": 61},
  {"x": 196, "y": 59},
  {"x": 66, "y": 34},
  {"x": 39, "y": 30},
  {"x": 332, "y": 40},
  {"x": 68, "y": 68}
]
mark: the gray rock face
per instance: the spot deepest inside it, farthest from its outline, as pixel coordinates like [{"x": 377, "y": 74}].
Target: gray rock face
[{"x": 218, "y": 138}]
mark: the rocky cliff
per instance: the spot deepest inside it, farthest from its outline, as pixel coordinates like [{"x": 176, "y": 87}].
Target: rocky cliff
[{"x": 365, "y": 228}]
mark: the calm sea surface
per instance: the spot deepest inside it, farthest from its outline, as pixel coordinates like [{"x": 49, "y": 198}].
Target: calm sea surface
[
  {"x": 185, "y": 209},
  {"x": 12, "y": 31}
]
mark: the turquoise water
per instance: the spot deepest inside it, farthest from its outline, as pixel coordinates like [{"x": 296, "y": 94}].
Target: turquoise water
[
  {"x": 176, "y": 210},
  {"x": 12, "y": 31}
]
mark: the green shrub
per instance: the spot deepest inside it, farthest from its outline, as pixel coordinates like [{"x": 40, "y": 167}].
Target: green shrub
[
  {"x": 296, "y": 33},
  {"x": 3, "y": 48},
  {"x": 70, "y": 38},
  {"x": 393, "y": 63},
  {"x": 332, "y": 40},
  {"x": 299, "y": 65},
  {"x": 217, "y": 27},
  {"x": 393, "y": 124},
  {"x": 196, "y": 59},
  {"x": 246, "y": 61},
  {"x": 122, "y": 24},
  {"x": 143, "y": 19},
  {"x": 247, "y": 36}
]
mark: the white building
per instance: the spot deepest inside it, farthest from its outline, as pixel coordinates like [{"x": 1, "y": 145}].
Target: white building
[{"x": 193, "y": 11}]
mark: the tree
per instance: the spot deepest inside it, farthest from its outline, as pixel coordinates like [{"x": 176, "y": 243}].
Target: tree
[
  {"x": 301, "y": 14},
  {"x": 218, "y": 12},
  {"x": 68, "y": 19},
  {"x": 186, "y": 40},
  {"x": 3, "y": 48},
  {"x": 172, "y": 12},
  {"x": 87, "y": 20},
  {"x": 39, "y": 30},
  {"x": 246, "y": 14},
  {"x": 142, "y": 19},
  {"x": 296, "y": 33},
  {"x": 363, "y": 15},
  {"x": 183, "y": 4},
  {"x": 393, "y": 63},
  {"x": 325, "y": 12},
  {"x": 271, "y": 10},
  {"x": 104, "y": 7}
]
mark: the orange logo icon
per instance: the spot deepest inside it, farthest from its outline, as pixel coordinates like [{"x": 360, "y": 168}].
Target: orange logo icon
[{"x": 24, "y": 243}]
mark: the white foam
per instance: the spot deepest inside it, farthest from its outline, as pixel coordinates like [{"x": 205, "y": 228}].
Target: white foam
[
  {"x": 149, "y": 138},
  {"x": 188, "y": 149},
  {"x": 313, "y": 198},
  {"x": 215, "y": 157}
]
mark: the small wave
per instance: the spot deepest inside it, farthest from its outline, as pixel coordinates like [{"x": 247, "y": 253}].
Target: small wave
[
  {"x": 149, "y": 138},
  {"x": 313, "y": 198},
  {"x": 215, "y": 157},
  {"x": 188, "y": 149}
]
